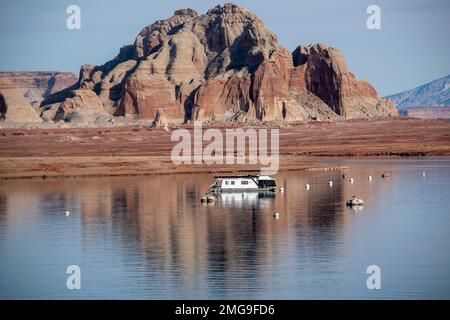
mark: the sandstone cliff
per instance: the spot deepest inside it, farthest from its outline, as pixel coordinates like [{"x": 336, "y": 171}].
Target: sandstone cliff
[
  {"x": 21, "y": 93},
  {"x": 327, "y": 76},
  {"x": 223, "y": 65}
]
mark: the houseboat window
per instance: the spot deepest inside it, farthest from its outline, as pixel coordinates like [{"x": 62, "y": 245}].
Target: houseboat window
[
  {"x": 226, "y": 181},
  {"x": 232, "y": 182},
  {"x": 266, "y": 183},
  {"x": 244, "y": 182}
]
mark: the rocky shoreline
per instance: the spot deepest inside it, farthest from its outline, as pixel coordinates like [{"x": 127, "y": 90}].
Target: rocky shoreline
[{"x": 141, "y": 150}]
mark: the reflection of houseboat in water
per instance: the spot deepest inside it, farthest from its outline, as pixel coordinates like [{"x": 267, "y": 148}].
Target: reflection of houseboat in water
[
  {"x": 242, "y": 184},
  {"x": 243, "y": 198}
]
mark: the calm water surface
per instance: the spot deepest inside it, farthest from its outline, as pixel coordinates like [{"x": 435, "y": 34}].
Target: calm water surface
[{"x": 151, "y": 238}]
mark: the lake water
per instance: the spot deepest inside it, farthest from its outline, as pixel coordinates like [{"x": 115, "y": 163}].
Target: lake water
[{"x": 150, "y": 237}]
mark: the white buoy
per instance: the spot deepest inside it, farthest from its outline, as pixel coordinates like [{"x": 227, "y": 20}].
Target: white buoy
[
  {"x": 330, "y": 183},
  {"x": 307, "y": 186},
  {"x": 276, "y": 216},
  {"x": 370, "y": 178},
  {"x": 67, "y": 213},
  {"x": 351, "y": 180},
  {"x": 281, "y": 189},
  {"x": 423, "y": 174}
]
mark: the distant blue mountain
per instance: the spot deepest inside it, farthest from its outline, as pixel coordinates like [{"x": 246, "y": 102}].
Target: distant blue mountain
[{"x": 433, "y": 94}]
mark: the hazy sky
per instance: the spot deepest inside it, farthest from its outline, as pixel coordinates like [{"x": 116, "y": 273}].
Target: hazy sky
[{"x": 412, "y": 47}]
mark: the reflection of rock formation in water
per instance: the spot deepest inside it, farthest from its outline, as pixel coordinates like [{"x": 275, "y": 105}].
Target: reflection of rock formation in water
[
  {"x": 237, "y": 238},
  {"x": 19, "y": 198},
  {"x": 162, "y": 219},
  {"x": 315, "y": 215},
  {"x": 157, "y": 225},
  {"x": 3, "y": 205}
]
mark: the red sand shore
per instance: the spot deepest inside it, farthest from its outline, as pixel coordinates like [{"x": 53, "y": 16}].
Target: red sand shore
[{"x": 137, "y": 150}]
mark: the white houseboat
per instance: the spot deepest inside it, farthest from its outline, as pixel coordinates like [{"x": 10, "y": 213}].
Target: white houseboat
[{"x": 242, "y": 183}]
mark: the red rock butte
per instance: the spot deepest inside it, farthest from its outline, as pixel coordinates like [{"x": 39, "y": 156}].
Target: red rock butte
[{"x": 220, "y": 66}]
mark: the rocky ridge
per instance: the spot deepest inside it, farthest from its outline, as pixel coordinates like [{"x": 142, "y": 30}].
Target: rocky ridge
[
  {"x": 435, "y": 93},
  {"x": 225, "y": 65}
]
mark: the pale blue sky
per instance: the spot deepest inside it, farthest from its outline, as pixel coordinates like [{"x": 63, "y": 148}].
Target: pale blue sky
[{"x": 412, "y": 47}]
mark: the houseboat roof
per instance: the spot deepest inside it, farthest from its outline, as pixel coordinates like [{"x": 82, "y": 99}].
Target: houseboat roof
[{"x": 249, "y": 176}]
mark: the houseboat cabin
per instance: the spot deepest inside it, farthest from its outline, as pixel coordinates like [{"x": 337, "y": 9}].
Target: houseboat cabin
[{"x": 243, "y": 183}]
